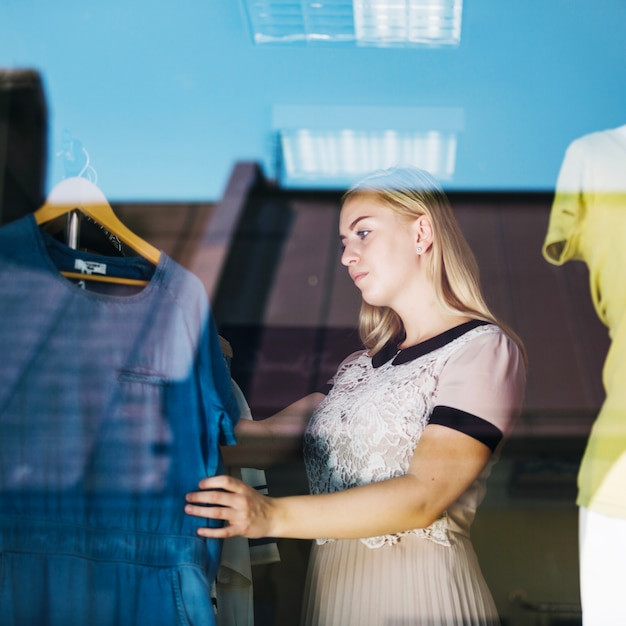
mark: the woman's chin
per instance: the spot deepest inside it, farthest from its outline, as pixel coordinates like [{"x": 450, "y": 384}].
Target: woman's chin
[{"x": 372, "y": 300}]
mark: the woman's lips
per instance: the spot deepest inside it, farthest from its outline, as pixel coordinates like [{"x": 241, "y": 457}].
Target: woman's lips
[{"x": 358, "y": 276}]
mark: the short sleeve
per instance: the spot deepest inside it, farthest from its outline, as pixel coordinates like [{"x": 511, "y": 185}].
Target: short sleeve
[
  {"x": 567, "y": 208},
  {"x": 485, "y": 378}
]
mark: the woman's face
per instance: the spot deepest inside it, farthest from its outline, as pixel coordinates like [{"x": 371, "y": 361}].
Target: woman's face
[{"x": 379, "y": 251}]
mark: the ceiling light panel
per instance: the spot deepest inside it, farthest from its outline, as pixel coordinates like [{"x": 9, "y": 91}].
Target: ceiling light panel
[{"x": 360, "y": 22}]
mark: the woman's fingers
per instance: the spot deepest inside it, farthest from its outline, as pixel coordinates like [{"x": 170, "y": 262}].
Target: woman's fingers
[
  {"x": 212, "y": 504},
  {"x": 214, "y": 497},
  {"x": 223, "y": 481},
  {"x": 232, "y": 501},
  {"x": 217, "y": 491}
]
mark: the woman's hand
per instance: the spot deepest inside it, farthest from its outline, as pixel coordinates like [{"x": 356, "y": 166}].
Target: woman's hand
[{"x": 245, "y": 511}]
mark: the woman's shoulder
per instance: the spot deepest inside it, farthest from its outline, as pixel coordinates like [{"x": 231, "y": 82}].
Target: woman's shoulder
[
  {"x": 486, "y": 377},
  {"x": 488, "y": 353},
  {"x": 352, "y": 358},
  {"x": 488, "y": 341},
  {"x": 494, "y": 337}
]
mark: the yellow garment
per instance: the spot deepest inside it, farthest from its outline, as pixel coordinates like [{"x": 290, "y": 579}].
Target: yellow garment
[{"x": 588, "y": 223}]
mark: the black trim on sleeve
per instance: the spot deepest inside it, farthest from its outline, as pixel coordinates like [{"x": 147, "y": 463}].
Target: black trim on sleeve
[{"x": 472, "y": 425}]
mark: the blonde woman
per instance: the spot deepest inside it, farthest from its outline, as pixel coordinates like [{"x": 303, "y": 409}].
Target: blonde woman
[{"x": 399, "y": 448}]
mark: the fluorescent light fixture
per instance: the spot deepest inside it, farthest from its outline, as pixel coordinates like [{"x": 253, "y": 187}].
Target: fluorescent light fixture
[
  {"x": 433, "y": 22},
  {"x": 334, "y": 146},
  {"x": 310, "y": 156},
  {"x": 361, "y": 22}
]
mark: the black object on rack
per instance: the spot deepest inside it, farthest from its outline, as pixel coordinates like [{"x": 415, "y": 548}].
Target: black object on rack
[{"x": 23, "y": 143}]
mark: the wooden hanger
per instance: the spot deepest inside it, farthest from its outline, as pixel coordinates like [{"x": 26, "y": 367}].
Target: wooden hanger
[{"x": 79, "y": 194}]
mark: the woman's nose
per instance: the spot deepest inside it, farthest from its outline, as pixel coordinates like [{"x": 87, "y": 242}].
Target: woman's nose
[{"x": 348, "y": 255}]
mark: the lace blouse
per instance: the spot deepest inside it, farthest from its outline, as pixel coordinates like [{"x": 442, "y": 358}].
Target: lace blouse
[{"x": 369, "y": 424}]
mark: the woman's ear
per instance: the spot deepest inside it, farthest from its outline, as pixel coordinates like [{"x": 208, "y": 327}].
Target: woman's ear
[{"x": 423, "y": 234}]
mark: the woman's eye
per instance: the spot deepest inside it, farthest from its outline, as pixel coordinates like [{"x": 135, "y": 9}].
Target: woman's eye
[{"x": 361, "y": 234}]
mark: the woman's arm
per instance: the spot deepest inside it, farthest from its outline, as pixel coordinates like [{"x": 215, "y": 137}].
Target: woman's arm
[
  {"x": 486, "y": 378},
  {"x": 276, "y": 439},
  {"x": 444, "y": 465}
]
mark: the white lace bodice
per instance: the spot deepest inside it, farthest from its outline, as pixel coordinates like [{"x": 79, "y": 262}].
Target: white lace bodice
[{"x": 368, "y": 426}]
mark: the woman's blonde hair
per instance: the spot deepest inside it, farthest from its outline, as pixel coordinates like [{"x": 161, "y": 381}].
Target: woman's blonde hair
[{"x": 411, "y": 192}]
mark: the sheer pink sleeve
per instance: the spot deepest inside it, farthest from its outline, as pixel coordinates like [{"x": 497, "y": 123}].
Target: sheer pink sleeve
[{"x": 485, "y": 378}]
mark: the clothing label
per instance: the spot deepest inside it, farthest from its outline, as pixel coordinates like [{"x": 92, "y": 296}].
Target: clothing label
[{"x": 90, "y": 267}]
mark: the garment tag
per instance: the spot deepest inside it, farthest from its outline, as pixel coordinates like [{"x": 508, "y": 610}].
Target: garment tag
[{"x": 90, "y": 267}]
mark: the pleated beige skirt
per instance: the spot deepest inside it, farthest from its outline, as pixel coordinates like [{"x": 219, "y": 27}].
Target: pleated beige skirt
[{"x": 415, "y": 582}]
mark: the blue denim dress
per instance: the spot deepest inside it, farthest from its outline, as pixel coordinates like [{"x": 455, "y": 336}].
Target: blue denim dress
[{"x": 113, "y": 405}]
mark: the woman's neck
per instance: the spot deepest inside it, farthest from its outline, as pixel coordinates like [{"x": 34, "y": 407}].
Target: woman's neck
[{"x": 427, "y": 328}]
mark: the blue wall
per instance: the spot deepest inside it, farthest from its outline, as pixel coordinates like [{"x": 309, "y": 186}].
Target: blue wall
[{"x": 167, "y": 95}]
